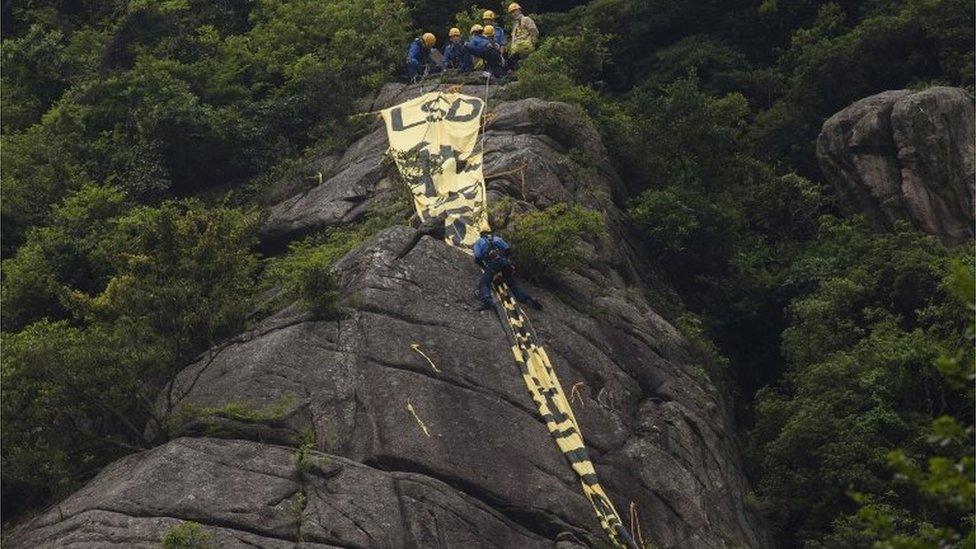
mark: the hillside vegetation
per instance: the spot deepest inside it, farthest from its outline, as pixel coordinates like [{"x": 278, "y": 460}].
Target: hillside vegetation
[{"x": 138, "y": 135}]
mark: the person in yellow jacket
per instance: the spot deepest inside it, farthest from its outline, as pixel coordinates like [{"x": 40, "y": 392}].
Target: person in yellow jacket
[{"x": 524, "y": 34}]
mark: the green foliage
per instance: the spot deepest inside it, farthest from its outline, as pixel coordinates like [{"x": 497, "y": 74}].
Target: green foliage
[
  {"x": 547, "y": 242},
  {"x": 40, "y": 65},
  {"x": 305, "y": 271},
  {"x": 233, "y": 411},
  {"x": 184, "y": 274},
  {"x": 72, "y": 252},
  {"x": 860, "y": 348},
  {"x": 305, "y": 458},
  {"x": 935, "y": 507},
  {"x": 241, "y": 412},
  {"x": 126, "y": 305},
  {"x": 671, "y": 217},
  {"x": 720, "y": 67},
  {"x": 65, "y": 406},
  {"x": 709, "y": 358},
  {"x": 562, "y": 68},
  {"x": 188, "y": 535},
  {"x": 681, "y": 136},
  {"x": 188, "y": 95}
]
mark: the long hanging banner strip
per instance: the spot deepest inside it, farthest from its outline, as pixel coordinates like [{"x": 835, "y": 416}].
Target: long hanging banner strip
[{"x": 432, "y": 139}]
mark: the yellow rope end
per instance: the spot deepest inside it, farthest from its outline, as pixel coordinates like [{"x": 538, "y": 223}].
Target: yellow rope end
[{"x": 416, "y": 417}]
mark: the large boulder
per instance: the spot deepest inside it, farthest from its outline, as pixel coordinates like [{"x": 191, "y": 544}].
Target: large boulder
[
  {"x": 410, "y": 408},
  {"x": 905, "y": 155},
  {"x": 249, "y": 494}
]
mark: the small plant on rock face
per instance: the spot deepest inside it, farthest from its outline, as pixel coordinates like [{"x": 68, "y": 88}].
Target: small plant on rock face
[
  {"x": 303, "y": 454},
  {"x": 188, "y": 535},
  {"x": 234, "y": 411},
  {"x": 546, "y": 242},
  {"x": 306, "y": 271}
]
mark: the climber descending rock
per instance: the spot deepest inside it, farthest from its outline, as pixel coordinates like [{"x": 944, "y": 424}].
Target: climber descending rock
[{"x": 493, "y": 255}]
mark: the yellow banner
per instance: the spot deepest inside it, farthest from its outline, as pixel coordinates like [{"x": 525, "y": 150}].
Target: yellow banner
[{"x": 433, "y": 140}]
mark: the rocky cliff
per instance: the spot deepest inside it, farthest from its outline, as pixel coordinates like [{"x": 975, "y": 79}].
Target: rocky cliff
[
  {"x": 323, "y": 452},
  {"x": 906, "y": 155}
]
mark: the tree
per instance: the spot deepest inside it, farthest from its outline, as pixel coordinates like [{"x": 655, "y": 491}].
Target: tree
[
  {"x": 860, "y": 383},
  {"x": 80, "y": 391}
]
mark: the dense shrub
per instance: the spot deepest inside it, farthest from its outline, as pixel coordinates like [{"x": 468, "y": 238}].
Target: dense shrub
[
  {"x": 125, "y": 307},
  {"x": 861, "y": 347},
  {"x": 678, "y": 221},
  {"x": 563, "y": 67},
  {"x": 547, "y": 242},
  {"x": 189, "y": 95},
  {"x": 188, "y": 535},
  {"x": 305, "y": 272},
  {"x": 72, "y": 252}
]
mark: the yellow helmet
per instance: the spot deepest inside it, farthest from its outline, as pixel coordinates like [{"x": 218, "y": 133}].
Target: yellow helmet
[
  {"x": 488, "y": 15},
  {"x": 429, "y": 39},
  {"x": 513, "y": 7},
  {"x": 476, "y": 28},
  {"x": 454, "y": 32},
  {"x": 488, "y": 31}
]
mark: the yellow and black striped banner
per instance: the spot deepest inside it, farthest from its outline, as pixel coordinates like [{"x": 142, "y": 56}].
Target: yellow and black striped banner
[
  {"x": 433, "y": 138},
  {"x": 550, "y": 399}
]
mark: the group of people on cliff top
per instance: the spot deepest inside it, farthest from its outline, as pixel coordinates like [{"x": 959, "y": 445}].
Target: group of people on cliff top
[{"x": 486, "y": 48}]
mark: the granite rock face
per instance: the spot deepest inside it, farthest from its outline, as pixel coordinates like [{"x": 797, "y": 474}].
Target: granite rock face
[
  {"x": 346, "y": 183},
  {"x": 906, "y": 155},
  {"x": 405, "y": 423},
  {"x": 249, "y": 494}
]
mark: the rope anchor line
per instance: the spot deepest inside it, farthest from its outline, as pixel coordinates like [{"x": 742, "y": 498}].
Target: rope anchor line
[
  {"x": 574, "y": 393},
  {"x": 416, "y": 347},
  {"x": 636, "y": 533},
  {"x": 417, "y": 418}
]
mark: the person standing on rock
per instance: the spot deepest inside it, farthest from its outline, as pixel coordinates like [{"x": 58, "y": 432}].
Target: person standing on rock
[
  {"x": 492, "y": 253},
  {"x": 476, "y": 62},
  {"x": 418, "y": 56},
  {"x": 481, "y": 47},
  {"x": 456, "y": 56},
  {"x": 488, "y": 18},
  {"x": 489, "y": 33},
  {"x": 524, "y": 35}
]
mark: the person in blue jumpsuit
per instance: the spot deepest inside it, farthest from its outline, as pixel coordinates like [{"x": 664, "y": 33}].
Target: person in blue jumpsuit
[
  {"x": 491, "y": 253},
  {"x": 418, "y": 56},
  {"x": 456, "y": 56},
  {"x": 479, "y": 46},
  {"x": 488, "y": 18}
]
